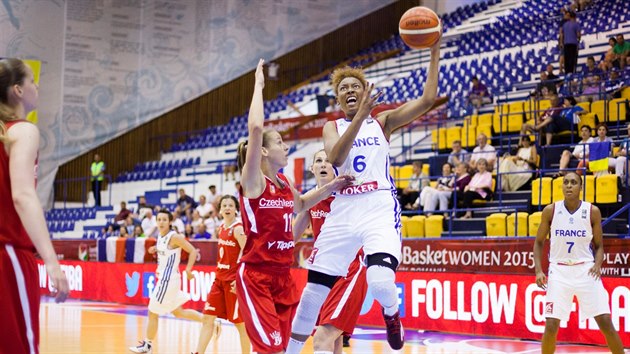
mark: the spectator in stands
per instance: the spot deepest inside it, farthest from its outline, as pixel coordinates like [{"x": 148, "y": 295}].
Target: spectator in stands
[
  {"x": 202, "y": 234},
  {"x": 109, "y": 231},
  {"x": 97, "y": 176},
  {"x": 480, "y": 187},
  {"x": 545, "y": 87},
  {"x": 186, "y": 203},
  {"x": 479, "y": 94},
  {"x": 551, "y": 122},
  {"x": 621, "y": 51},
  {"x": 610, "y": 59},
  {"x": 580, "y": 151},
  {"x": 458, "y": 154},
  {"x": 122, "y": 214},
  {"x": 124, "y": 233},
  {"x": 526, "y": 159},
  {"x": 332, "y": 105},
  {"x": 590, "y": 69},
  {"x": 462, "y": 178},
  {"x": 614, "y": 85},
  {"x": 129, "y": 223},
  {"x": 211, "y": 224},
  {"x": 550, "y": 75},
  {"x": 571, "y": 111},
  {"x": 138, "y": 232},
  {"x": 417, "y": 182},
  {"x": 205, "y": 209},
  {"x": 592, "y": 90},
  {"x": 237, "y": 185},
  {"x": 622, "y": 157},
  {"x": 483, "y": 151},
  {"x": 143, "y": 207},
  {"x": 177, "y": 224},
  {"x": 196, "y": 221},
  {"x": 440, "y": 194},
  {"x": 188, "y": 231},
  {"x": 569, "y": 41},
  {"x": 602, "y": 132},
  {"x": 214, "y": 196},
  {"x": 149, "y": 224}
]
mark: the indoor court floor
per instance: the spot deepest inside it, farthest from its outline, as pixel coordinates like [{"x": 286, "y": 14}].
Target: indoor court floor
[{"x": 94, "y": 327}]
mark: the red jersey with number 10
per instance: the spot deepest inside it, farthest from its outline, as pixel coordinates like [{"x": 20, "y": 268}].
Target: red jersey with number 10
[
  {"x": 12, "y": 230},
  {"x": 228, "y": 252},
  {"x": 267, "y": 221}
]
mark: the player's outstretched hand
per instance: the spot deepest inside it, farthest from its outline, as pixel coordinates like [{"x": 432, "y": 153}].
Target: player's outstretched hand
[
  {"x": 260, "y": 75},
  {"x": 368, "y": 103},
  {"x": 596, "y": 272},
  {"x": 59, "y": 282},
  {"x": 541, "y": 280},
  {"x": 342, "y": 182},
  {"x": 189, "y": 275}
]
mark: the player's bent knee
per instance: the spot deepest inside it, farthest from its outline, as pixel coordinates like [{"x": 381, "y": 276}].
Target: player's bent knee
[
  {"x": 383, "y": 260},
  {"x": 321, "y": 278}
]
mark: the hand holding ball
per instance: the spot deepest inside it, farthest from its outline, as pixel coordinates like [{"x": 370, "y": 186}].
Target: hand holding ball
[{"x": 420, "y": 27}]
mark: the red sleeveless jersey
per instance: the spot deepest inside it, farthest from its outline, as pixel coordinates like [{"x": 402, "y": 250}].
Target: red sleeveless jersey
[
  {"x": 228, "y": 252},
  {"x": 318, "y": 215},
  {"x": 12, "y": 230},
  {"x": 267, "y": 223}
]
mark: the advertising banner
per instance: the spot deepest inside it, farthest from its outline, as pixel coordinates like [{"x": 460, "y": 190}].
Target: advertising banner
[{"x": 481, "y": 304}]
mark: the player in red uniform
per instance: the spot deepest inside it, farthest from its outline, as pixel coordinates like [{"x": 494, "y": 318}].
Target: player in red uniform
[
  {"x": 342, "y": 307},
  {"x": 23, "y": 229},
  {"x": 222, "y": 301},
  {"x": 265, "y": 289}
]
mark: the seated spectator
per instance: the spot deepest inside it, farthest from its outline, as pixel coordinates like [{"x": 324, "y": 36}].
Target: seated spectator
[
  {"x": 202, "y": 233},
  {"x": 610, "y": 59},
  {"x": 142, "y": 207},
  {"x": 602, "y": 132},
  {"x": 614, "y": 85},
  {"x": 545, "y": 88},
  {"x": 129, "y": 223},
  {"x": 177, "y": 224},
  {"x": 186, "y": 203},
  {"x": 480, "y": 187},
  {"x": 590, "y": 69},
  {"x": 138, "y": 232},
  {"x": 108, "y": 231},
  {"x": 621, "y": 51},
  {"x": 214, "y": 196},
  {"x": 483, "y": 151},
  {"x": 123, "y": 233},
  {"x": 196, "y": 221},
  {"x": 430, "y": 196},
  {"x": 580, "y": 151},
  {"x": 332, "y": 105},
  {"x": 122, "y": 214},
  {"x": 592, "y": 90},
  {"x": 621, "y": 167},
  {"x": 417, "y": 182},
  {"x": 551, "y": 122},
  {"x": 149, "y": 224},
  {"x": 550, "y": 75},
  {"x": 205, "y": 209},
  {"x": 571, "y": 111},
  {"x": 458, "y": 154},
  {"x": 479, "y": 94},
  {"x": 188, "y": 231},
  {"x": 211, "y": 224},
  {"x": 526, "y": 159},
  {"x": 237, "y": 192}
]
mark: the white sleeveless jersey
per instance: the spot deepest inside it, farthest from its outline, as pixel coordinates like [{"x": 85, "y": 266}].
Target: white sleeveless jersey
[
  {"x": 368, "y": 159},
  {"x": 168, "y": 259},
  {"x": 571, "y": 235}
]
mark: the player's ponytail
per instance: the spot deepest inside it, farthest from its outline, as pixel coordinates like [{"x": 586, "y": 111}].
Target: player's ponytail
[
  {"x": 12, "y": 72},
  {"x": 241, "y": 154}
]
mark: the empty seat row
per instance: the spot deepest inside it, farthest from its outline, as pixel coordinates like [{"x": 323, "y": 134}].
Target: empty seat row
[{"x": 601, "y": 190}]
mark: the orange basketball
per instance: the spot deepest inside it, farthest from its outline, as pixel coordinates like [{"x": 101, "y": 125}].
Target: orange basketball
[{"x": 420, "y": 27}]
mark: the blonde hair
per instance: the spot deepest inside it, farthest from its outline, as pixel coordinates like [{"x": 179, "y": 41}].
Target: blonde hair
[
  {"x": 342, "y": 73},
  {"x": 12, "y": 72},
  {"x": 241, "y": 149}
]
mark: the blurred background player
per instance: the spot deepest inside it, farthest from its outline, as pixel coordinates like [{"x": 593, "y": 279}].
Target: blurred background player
[
  {"x": 265, "y": 287},
  {"x": 222, "y": 301},
  {"x": 23, "y": 230},
  {"x": 365, "y": 215},
  {"x": 167, "y": 296},
  {"x": 575, "y": 233},
  {"x": 342, "y": 308}
]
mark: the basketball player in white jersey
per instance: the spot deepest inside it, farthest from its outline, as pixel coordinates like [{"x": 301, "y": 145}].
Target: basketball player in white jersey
[
  {"x": 575, "y": 231},
  {"x": 364, "y": 215},
  {"x": 167, "y": 296}
]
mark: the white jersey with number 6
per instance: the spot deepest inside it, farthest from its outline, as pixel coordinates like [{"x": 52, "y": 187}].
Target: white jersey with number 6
[
  {"x": 571, "y": 235},
  {"x": 368, "y": 159}
]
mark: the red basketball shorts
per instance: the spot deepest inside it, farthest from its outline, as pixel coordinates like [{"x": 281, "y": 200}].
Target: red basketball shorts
[{"x": 222, "y": 302}]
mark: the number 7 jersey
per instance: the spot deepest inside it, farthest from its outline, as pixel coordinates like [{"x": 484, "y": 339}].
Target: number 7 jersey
[
  {"x": 571, "y": 234},
  {"x": 368, "y": 159},
  {"x": 267, "y": 221}
]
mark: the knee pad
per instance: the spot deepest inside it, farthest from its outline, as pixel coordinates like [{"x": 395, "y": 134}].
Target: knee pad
[
  {"x": 326, "y": 280},
  {"x": 381, "y": 281},
  {"x": 313, "y": 297},
  {"x": 383, "y": 260}
]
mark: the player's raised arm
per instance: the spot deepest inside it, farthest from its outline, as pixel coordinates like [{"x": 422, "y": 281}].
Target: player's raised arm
[{"x": 407, "y": 113}]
